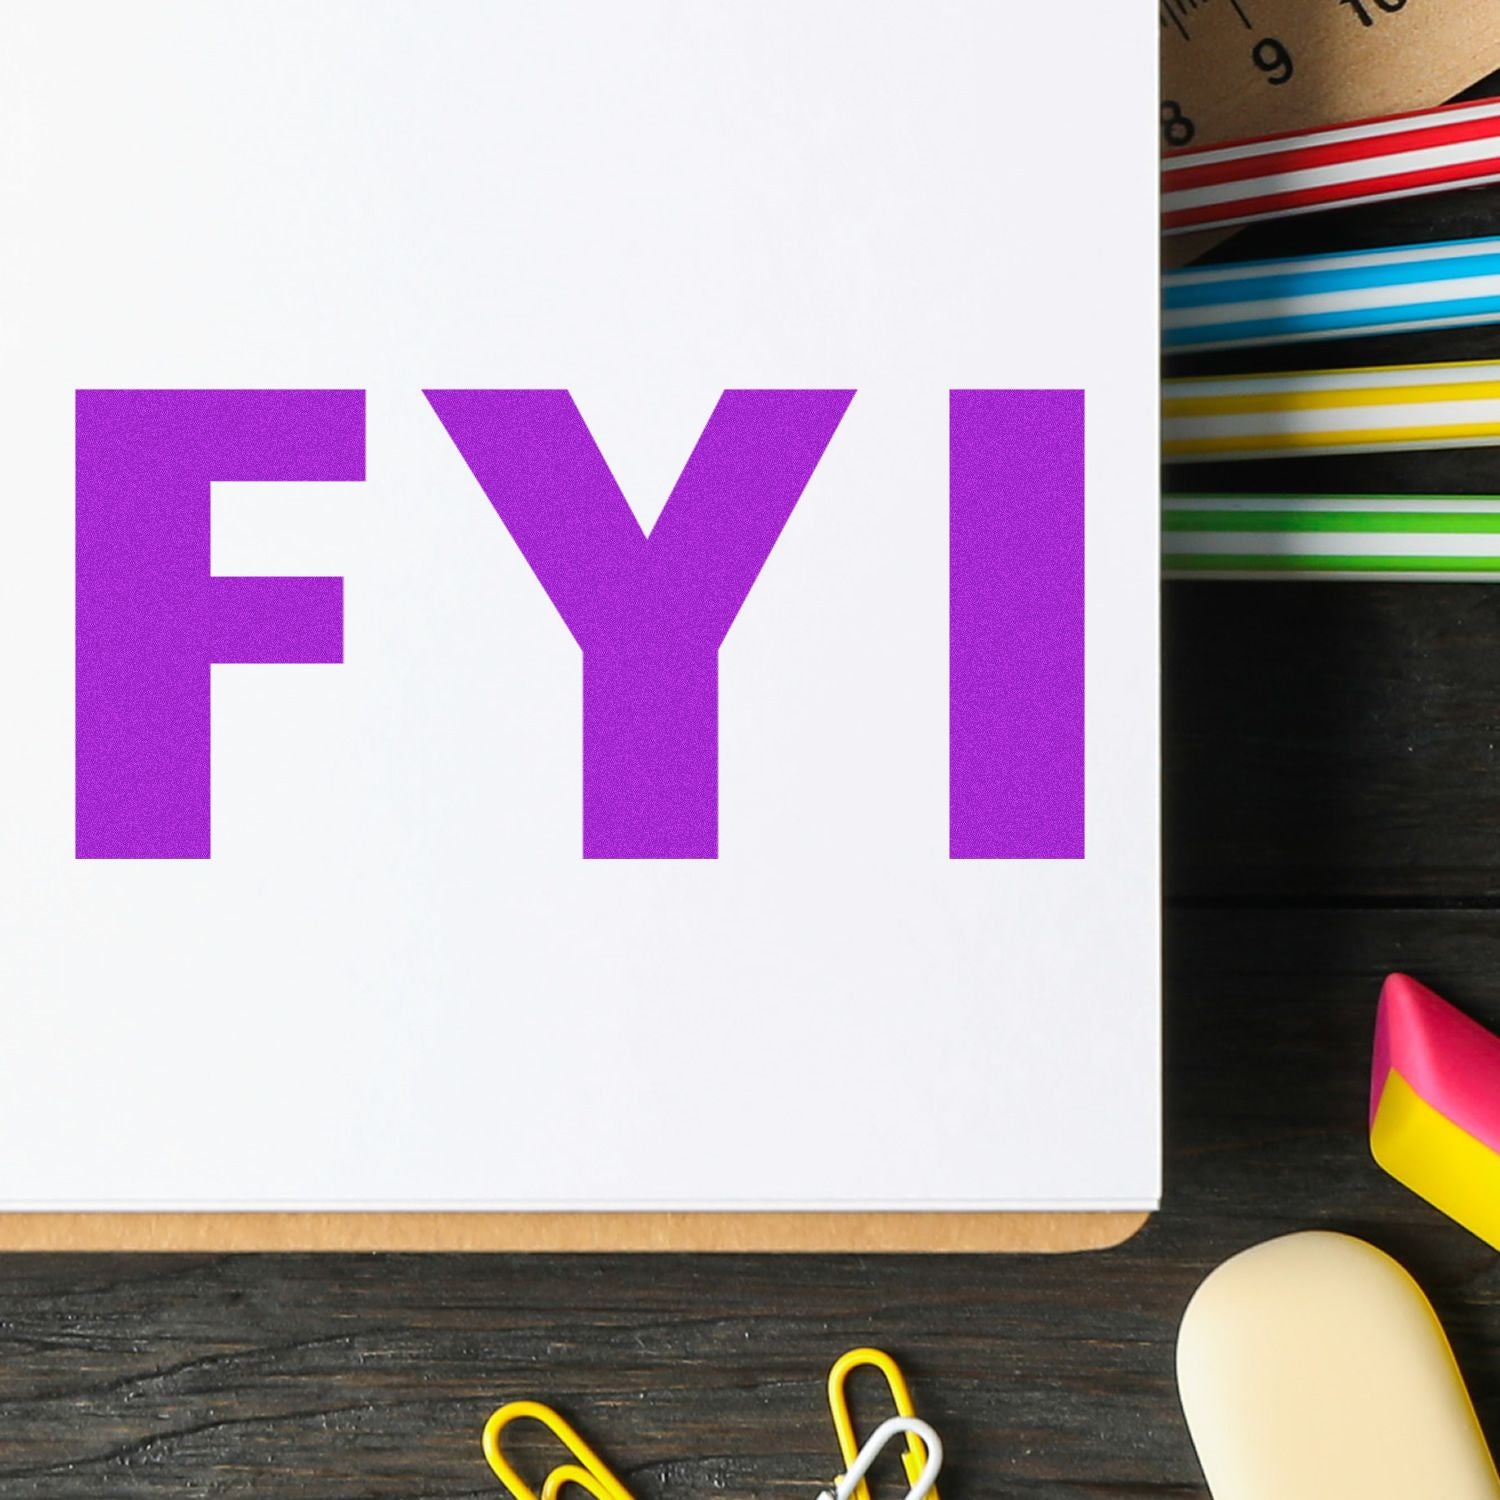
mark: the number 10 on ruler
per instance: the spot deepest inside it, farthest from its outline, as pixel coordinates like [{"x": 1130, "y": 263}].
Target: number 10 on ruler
[{"x": 1363, "y": 8}]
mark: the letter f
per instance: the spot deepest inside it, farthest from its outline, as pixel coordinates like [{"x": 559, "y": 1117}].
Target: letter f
[{"x": 151, "y": 617}]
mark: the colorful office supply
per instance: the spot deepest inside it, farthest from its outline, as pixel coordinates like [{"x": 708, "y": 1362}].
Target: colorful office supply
[
  {"x": 1417, "y": 537},
  {"x": 1301, "y": 414},
  {"x": 582, "y": 1466},
  {"x": 918, "y": 1434},
  {"x": 563, "y": 1475},
  {"x": 1367, "y": 292},
  {"x": 1435, "y": 1104},
  {"x": 1395, "y": 156},
  {"x": 914, "y": 1459},
  {"x": 1312, "y": 1368},
  {"x": 1307, "y": 62}
]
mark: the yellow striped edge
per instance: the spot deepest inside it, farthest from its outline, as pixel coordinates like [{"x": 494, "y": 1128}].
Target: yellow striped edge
[
  {"x": 1329, "y": 400},
  {"x": 1381, "y": 437},
  {"x": 1429, "y": 374},
  {"x": 1436, "y": 1159}
]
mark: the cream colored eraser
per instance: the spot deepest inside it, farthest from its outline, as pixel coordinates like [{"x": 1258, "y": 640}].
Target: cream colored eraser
[{"x": 1313, "y": 1368}]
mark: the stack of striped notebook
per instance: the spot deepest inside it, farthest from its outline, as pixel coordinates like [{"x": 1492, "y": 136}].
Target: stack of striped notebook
[{"x": 1225, "y": 420}]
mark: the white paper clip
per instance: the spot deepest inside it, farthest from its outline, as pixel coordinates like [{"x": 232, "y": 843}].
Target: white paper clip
[{"x": 892, "y": 1427}]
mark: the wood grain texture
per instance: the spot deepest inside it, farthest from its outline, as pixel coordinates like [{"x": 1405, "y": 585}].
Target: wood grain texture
[{"x": 1333, "y": 811}]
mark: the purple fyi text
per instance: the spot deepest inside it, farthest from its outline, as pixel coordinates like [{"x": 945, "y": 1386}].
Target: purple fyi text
[{"x": 648, "y": 611}]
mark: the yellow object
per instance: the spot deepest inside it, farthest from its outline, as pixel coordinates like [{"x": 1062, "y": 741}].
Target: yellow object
[
  {"x": 1332, "y": 411},
  {"x": 1436, "y": 1159},
  {"x": 566, "y": 1474},
  {"x": 586, "y": 1469},
  {"x": 1312, "y": 1368},
  {"x": 1328, "y": 400},
  {"x": 914, "y": 1458}
]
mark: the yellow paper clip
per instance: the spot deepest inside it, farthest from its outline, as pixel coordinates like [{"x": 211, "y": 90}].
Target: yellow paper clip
[
  {"x": 586, "y": 1468},
  {"x": 566, "y": 1474},
  {"x": 914, "y": 1459}
]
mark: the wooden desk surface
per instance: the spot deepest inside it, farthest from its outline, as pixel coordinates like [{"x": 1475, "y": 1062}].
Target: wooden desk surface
[{"x": 1333, "y": 812}]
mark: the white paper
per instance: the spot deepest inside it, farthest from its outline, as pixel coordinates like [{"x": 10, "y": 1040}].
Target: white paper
[{"x": 397, "y": 982}]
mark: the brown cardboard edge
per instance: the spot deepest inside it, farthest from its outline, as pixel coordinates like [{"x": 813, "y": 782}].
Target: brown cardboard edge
[{"x": 866, "y": 1233}]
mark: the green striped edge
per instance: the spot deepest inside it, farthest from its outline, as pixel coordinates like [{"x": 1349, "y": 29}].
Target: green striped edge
[
  {"x": 1328, "y": 520},
  {"x": 1236, "y": 562},
  {"x": 1191, "y": 498}
]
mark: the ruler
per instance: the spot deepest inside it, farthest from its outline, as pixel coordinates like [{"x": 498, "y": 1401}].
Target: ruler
[{"x": 1235, "y": 68}]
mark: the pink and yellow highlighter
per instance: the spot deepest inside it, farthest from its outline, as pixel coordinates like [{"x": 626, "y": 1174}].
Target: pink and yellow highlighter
[{"x": 1435, "y": 1104}]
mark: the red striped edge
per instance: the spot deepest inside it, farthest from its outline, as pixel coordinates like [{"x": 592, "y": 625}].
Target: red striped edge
[
  {"x": 1310, "y": 158},
  {"x": 1438, "y": 112},
  {"x": 1271, "y": 204}
]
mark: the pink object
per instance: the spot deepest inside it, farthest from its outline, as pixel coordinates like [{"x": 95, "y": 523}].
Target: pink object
[{"x": 1449, "y": 1060}]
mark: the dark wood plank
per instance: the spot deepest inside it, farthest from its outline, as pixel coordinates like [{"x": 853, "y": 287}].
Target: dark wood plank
[{"x": 1332, "y": 742}]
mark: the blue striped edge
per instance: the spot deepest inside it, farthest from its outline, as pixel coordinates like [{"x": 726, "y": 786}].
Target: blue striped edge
[
  {"x": 1373, "y": 319},
  {"x": 1256, "y": 284}
]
